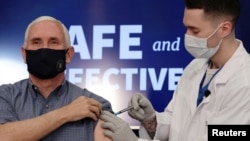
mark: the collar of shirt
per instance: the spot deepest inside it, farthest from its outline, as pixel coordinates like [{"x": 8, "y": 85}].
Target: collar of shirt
[{"x": 58, "y": 91}]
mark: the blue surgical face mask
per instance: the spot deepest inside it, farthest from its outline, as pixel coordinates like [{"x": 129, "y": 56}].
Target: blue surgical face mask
[
  {"x": 46, "y": 63},
  {"x": 198, "y": 48}
]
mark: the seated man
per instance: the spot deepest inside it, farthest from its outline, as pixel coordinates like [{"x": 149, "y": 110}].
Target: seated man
[{"x": 45, "y": 106}]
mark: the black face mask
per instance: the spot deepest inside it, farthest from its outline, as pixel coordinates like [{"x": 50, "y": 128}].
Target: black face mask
[{"x": 46, "y": 63}]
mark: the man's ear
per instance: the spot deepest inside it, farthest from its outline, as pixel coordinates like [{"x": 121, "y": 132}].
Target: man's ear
[
  {"x": 70, "y": 54},
  {"x": 226, "y": 28},
  {"x": 23, "y": 54}
]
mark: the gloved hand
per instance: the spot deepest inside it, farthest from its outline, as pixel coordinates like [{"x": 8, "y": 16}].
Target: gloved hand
[
  {"x": 143, "y": 109},
  {"x": 116, "y": 128}
]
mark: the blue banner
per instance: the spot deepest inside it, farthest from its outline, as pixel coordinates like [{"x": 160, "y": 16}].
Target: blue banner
[{"x": 122, "y": 47}]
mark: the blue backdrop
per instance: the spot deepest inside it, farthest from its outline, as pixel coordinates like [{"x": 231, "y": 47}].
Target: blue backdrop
[{"x": 122, "y": 47}]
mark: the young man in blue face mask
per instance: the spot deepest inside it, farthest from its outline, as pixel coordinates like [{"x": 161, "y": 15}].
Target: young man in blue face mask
[
  {"x": 214, "y": 87},
  {"x": 47, "y": 107}
]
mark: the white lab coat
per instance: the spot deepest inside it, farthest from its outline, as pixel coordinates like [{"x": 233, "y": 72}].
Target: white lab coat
[{"x": 228, "y": 103}]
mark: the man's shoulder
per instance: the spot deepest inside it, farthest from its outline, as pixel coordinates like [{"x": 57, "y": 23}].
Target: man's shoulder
[
  {"x": 196, "y": 64},
  {"x": 16, "y": 85},
  {"x": 13, "y": 90},
  {"x": 87, "y": 93},
  {"x": 80, "y": 90}
]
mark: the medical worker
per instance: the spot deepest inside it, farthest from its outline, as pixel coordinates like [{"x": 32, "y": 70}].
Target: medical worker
[{"x": 214, "y": 87}]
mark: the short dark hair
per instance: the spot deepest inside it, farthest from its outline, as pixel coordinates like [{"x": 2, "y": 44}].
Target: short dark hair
[{"x": 217, "y": 8}]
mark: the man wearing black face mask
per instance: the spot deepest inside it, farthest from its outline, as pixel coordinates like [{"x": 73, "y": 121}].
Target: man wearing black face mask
[
  {"x": 51, "y": 61},
  {"x": 47, "y": 107}
]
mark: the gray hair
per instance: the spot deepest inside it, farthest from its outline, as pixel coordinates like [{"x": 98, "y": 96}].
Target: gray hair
[{"x": 47, "y": 18}]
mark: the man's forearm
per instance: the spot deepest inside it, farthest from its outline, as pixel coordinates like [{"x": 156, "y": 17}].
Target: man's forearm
[
  {"x": 32, "y": 129},
  {"x": 150, "y": 126}
]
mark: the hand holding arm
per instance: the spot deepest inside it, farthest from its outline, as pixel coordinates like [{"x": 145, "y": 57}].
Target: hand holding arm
[
  {"x": 116, "y": 128},
  {"x": 99, "y": 133},
  {"x": 83, "y": 107},
  {"x": 38, "y": 127}
]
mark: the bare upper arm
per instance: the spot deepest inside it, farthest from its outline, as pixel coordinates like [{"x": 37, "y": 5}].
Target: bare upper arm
[{"x": 99, "y": 133}]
